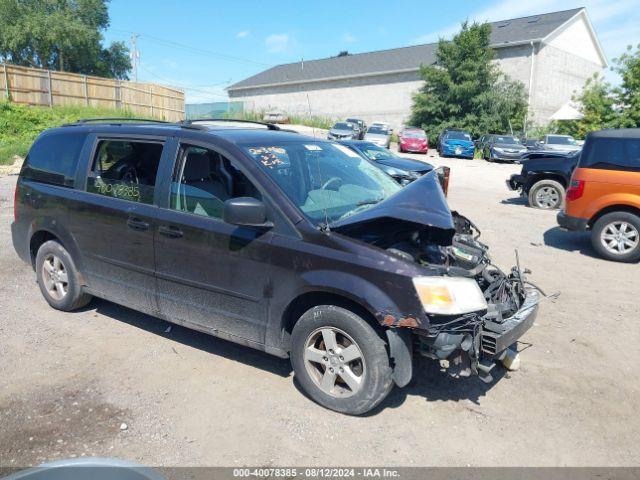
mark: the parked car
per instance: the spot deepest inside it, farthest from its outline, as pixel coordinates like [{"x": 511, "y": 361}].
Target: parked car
[
  {"x": 278, "y": 241},
  {"x": 505, "y": 148},
  {"x": 443, "y": 133},
  {"x": 343, "y": 131},
  {"x": 457, "y": 143},
  {"x": 383, "y": 125},
  {"x": 604, "y": 194},
  {"x": 532, "y": 144},
  {"x": 404, "y": 170},
  {"x": 561, "y": 143},
  {"x": 275, "y": 116},
  {"x": 544, "y": 180},
  {"x": 379, "y": 135},
  {"x": 412, "y": 139},
  {"x": 361, "y": 127},
  {"x": 481, "y": 142}
]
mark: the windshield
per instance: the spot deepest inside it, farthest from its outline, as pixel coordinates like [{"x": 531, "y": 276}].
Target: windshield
[
  {"x": 325, "y": 181},
  {"x": 343, "y": 126},
  {"x": 377, "y": 130},
  {"x": 354, "y": 120},
  {"x": 458, "y": 136},
  {"x": 414, "y": 134},
  {"x": 507, "y": 140},
  {"x": 374, "y": 152},
  {"x": 560, "y": 140}
]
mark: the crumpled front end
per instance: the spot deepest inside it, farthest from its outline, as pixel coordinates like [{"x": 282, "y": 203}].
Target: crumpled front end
[
  {"x": 474, "y": 342},
  {"x": 472, "y": 311}
]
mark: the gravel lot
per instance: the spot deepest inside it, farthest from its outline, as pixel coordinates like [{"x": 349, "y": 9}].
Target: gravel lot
[{"x": 69, "y": 381}]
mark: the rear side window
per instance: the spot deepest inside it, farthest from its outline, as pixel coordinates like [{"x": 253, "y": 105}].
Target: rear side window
[
  {"x": 612, "y": 153},
  {"x": 125, "y": 169},
  {"x": 53, "y": 158}
]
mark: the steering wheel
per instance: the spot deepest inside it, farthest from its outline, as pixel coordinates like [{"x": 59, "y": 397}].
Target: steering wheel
[
  {"x": 130, "y": 175},
  {"x": 330, "y": 181}
]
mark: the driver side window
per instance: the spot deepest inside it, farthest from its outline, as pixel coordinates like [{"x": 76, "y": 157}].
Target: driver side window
[
  {"x": 125, "y": 169},
  {"x": 204, "y": 179}
]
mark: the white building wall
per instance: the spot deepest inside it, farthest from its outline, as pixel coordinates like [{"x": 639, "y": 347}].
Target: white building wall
[
  {"x": 515, "y": 62},
  {"x": 577, "y": 39},
  {"x": 557, "y": 75},
  {"x": 383, "y": 97}
]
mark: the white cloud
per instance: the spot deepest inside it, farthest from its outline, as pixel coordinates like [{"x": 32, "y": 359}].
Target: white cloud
[
  {"x": 349, "y": 38},
  {"x": 243, "y": 34},
  {"x": 278, "y": 42}
]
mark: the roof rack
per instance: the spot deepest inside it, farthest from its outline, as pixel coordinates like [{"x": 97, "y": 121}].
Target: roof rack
[
  {"x": 118, "y": 119},
  {"x": 269, "y": 126}
]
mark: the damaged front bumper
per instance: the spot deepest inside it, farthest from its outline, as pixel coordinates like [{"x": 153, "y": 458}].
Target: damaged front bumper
[{"x": 476, "y": 343}]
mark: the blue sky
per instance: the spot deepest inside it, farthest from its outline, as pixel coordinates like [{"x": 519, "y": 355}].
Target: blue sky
[{"x": 203, "y": 46}]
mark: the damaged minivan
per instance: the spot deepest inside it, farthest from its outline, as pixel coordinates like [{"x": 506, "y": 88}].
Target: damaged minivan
[{"x": 292, "y": 245}]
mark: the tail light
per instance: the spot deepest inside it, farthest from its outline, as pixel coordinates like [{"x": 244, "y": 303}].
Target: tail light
[
  {"x": 15, "y": 204},
  {"x": 575, "y": 191}
]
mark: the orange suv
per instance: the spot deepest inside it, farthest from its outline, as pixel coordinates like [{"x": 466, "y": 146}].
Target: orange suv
[{"x": 604, "y": 194}]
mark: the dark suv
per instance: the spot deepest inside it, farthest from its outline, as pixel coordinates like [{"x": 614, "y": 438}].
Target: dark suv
[{"x": 278, "y": 241}]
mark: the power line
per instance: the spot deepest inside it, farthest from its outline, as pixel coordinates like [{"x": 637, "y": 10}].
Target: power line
[
  {"x": 190, "y": 48},
  {"x": 184, "y": 87}
]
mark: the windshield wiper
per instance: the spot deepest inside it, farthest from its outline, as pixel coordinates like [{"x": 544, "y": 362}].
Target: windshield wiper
[{"x": 371, "y": 201}]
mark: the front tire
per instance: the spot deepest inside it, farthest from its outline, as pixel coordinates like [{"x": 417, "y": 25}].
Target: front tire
[
  {"x": 339, "y": 360},
  {"x": 546, "y": 194},
  {"x": 58, "y": 278},
  {"x": 616, "y": 236}
]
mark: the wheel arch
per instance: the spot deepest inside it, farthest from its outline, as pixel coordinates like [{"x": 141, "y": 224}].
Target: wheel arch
[
  {"x": 610, "y": 209},
  {"x": 40, "y": 233},
  {"x": 309, "y": 299},
  {"x": 546, "y": 176}
]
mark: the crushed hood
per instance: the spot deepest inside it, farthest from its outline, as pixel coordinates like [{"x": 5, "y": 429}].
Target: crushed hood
[{"x": 418, "y": 206}]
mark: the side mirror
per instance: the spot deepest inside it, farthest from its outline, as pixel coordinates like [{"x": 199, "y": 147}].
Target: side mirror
[{"x": 246, "y": 212}]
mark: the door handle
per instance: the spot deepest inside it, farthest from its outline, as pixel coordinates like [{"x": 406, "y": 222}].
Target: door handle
[
  {"x": 170, "y": 231},
  {"x": 137, "y": 224}
]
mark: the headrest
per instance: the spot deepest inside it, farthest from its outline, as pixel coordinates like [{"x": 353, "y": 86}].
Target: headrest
[{"x": 198, "y": 167}]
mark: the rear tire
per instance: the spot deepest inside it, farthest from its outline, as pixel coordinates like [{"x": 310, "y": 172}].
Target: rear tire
[
  {"x": 616, "y": 236},
  {"x": 58, "y": 278},
  {"x": 546, "y": 194},
  {"x": 339, "y": 360}
]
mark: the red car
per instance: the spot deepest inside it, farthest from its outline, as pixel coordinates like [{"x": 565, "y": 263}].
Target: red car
[{"x": 413, "y": 139}]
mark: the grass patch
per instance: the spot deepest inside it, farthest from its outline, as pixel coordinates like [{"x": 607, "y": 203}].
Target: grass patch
[
  {"x": 21, "y": 124},
  {"x": 309, "y": 121}
]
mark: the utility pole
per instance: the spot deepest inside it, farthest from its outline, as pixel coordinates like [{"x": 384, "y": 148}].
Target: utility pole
[{"x": 135, "y": 55}]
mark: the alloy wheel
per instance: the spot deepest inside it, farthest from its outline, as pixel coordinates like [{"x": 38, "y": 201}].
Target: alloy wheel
[
  {"x": 334, "y": 362},
  {"x": 547, "y": 197},
  {"x": 620, "y": 237},
  {"x": 55, "y": 277}
]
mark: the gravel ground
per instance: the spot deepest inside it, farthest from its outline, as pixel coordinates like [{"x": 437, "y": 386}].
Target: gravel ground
[{"x": 108, "y": 381}]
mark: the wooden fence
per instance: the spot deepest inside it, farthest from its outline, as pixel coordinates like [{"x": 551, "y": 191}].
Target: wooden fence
[{"x": 33, "y": 86}]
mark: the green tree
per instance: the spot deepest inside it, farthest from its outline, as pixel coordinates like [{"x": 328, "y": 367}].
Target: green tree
[
  {"x": 60, "y": 35},
  {"x": 465, "y": 89},
  {"x": 628, "y": 93},
  {"x": 597, "y": 105}
]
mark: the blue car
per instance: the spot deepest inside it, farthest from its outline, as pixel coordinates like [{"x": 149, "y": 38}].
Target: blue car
[{"x": 457, "y": 143}]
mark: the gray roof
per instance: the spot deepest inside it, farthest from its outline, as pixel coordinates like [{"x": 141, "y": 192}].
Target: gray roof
[{"x": 504, "y": 33}]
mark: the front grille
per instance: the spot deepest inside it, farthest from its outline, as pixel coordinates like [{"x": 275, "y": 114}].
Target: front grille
[{"x": 488, "y": 343}]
